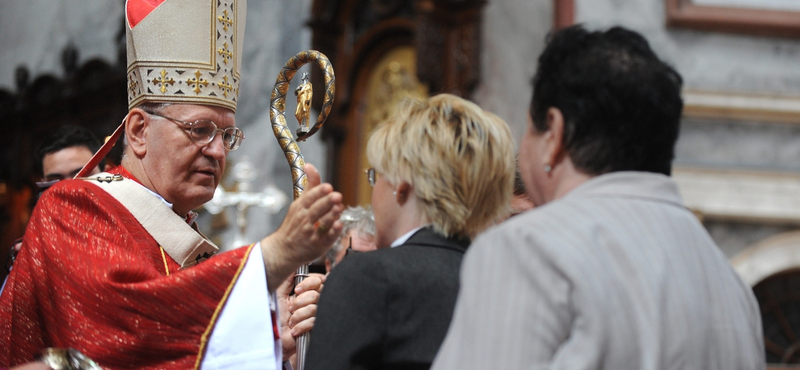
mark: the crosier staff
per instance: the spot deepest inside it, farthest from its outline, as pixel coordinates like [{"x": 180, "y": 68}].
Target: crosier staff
[{"x": 277, "y": 109}]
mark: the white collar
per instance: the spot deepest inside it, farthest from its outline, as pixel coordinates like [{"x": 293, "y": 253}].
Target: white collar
[
  {"x": 154, "y": 194},
  {"x": 401, "y": 240},
  {"x": 190, "y": 218}
]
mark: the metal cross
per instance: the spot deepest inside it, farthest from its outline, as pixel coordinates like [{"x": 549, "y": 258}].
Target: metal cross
[
  {"x": 132, "y": 85},
  {"x": 271, "y": 199},
  {"x": 163, "y": 81},
  {"x": 197, "y": 81}
]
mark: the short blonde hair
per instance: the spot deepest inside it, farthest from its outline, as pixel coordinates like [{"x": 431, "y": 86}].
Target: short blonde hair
[{"x": 458, "y": 158}]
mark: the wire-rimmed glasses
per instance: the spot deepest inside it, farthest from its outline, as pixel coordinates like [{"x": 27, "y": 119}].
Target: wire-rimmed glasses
[{"x": 203, "y": 131}]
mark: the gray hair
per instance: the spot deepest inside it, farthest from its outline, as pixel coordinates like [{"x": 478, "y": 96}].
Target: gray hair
[
  {"x": 149, "y": 107},
  {"x": 356, "y": 218},
  {"x": 153, "y": 107}
]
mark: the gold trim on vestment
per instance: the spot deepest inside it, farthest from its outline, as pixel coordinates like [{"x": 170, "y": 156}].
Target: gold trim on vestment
[
  {"x": 164, "y": 257},
  {"x": 210, "y": 328}
]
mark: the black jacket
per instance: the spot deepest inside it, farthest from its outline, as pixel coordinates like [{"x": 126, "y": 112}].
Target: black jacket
[{"x": 388, "y": 309}]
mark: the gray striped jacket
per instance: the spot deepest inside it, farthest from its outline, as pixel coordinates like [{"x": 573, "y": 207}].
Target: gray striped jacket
[{"x": 617, "y": 274}]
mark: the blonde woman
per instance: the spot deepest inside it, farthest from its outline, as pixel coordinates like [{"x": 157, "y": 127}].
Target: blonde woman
[{"x": 443, "y": 170}]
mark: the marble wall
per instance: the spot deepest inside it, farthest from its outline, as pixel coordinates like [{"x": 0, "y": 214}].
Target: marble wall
[
  {"x": 514, "y": 33},
  {"x": 513, "y": 37},
  {"x": 707, "y": 60},
  {"x": 717, "y": 62}
]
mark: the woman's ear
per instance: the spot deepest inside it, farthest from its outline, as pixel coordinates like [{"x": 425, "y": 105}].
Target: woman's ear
[
  {"x": 136, "y": 125},
  {"x": 401, "y": 193}
]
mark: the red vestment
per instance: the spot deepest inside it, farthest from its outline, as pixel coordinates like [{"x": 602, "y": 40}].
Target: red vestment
[{"x": 90, "y": 277}]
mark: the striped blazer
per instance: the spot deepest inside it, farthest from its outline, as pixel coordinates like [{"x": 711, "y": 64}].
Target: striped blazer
[{"x": 617, "y": 274}]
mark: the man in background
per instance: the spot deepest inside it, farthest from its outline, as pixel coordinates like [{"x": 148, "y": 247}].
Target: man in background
[
  {"x": 65, "y": 152},
  {"x": 62, "y": 154}
]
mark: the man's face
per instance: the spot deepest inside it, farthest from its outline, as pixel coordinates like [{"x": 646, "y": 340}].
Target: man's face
[
  {"x": 66, "y": 163},
  {"x": 183, "y": 171}
]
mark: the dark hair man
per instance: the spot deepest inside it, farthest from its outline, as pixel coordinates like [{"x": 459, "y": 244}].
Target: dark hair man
[
  {"x": 65, "y": 152},
  {"x": 613, "y": 272},
  {"x": 60, "y": 157}
]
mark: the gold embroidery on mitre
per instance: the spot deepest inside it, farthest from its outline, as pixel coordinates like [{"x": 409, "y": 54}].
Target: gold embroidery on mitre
[
  {"x": 197, "y": 81},
  {"x": 169, "y": 73},
  {"x": 163, "y": 81},
  {"x": 225, "y": 86},
  {"x": 133, "y": 83},
  {"x": 226, "y": 21},
  {"x": 225, "y": 53}
]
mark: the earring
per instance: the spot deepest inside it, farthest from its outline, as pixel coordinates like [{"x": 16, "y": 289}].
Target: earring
[
  {"x": 547, "y": 168},
  {"x": 394, "y": 193}
]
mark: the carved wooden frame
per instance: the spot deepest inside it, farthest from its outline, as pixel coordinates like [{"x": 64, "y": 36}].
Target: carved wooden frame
[
  {"x": 444, "y": 33},
  {"x": 762, "y": 22}
]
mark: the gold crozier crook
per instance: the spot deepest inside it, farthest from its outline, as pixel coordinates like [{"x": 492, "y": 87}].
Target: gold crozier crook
[{"x": 277, "y": 108}]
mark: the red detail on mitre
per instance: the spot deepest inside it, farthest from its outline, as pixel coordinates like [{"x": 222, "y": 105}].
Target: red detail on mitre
[{"x": 137, "y": 10}]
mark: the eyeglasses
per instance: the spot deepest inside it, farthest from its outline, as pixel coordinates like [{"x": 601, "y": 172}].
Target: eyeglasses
[
  {"x": 371, "y": 176},
  {"x": 203, "y": 131}
]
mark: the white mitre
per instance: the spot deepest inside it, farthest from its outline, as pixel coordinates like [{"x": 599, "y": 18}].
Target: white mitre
[{"x": 185, "y": 51}]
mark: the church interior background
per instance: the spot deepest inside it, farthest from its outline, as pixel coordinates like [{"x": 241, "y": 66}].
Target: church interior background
[{"x": 737, "y": 160}]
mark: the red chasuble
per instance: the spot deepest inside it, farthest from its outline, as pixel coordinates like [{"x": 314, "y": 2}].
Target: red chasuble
[{"x": 90, "y": 277}]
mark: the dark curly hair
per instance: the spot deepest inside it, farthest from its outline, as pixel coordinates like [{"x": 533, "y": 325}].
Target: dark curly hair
[
  {"x": 621, "y": 104},
  {"x": 67, "y": 136}
]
